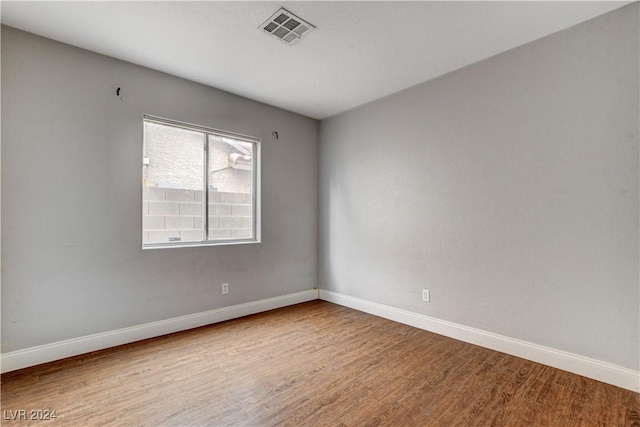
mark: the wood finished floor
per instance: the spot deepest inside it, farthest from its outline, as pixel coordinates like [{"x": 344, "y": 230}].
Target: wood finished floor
[{"x": 313, "y": 364}]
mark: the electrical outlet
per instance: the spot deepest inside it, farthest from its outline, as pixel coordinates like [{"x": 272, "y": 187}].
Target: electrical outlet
[
  {"x": 224, "y": 288},
  {"x": 426, "y": 295}
]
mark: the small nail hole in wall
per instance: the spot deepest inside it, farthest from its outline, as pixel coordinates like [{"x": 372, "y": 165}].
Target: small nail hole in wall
[{"x": 275, "y": 134}]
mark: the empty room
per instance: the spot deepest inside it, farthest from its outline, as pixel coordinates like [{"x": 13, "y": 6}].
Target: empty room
[{"x": 324, "y": 213}]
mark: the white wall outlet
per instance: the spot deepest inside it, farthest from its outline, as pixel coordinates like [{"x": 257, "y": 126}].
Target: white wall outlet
[
  {"x": 224, "y": 288},
  {"x": 426, "y": 295}
]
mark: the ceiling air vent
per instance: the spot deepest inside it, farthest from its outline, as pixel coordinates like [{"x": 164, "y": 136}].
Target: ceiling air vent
[{"x": 286, "y": 26}]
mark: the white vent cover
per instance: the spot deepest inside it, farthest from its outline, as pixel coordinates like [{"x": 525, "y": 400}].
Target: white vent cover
[{"x": 286, "y": 26}]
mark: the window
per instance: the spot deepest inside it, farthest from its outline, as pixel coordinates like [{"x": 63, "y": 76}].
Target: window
[{"x": 200, "y": 186}]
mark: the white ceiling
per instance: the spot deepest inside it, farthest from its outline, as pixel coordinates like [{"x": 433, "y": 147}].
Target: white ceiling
[{"x": 359, "y": 52}]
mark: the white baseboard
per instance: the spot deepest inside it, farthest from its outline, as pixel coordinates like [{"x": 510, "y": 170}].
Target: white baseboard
[
  {"x": 59, "y": 350},
  {"x": 591, "y": 368}
]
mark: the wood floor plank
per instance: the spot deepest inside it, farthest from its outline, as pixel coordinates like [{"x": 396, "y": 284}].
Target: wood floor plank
[{"x": 313, "y": 364}]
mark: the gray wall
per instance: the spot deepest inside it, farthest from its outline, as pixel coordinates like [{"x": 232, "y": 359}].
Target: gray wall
[
  {"x": 72, "y": 263},
  {"x": 508, "y": 188}
]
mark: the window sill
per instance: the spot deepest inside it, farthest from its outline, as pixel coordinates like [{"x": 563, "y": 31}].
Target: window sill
[{"x": 199, "y": 244}]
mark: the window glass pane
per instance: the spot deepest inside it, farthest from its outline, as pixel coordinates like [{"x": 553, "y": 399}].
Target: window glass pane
[
  {"x": 173, "y": 182},
  {"x": 230, "y": 188}
]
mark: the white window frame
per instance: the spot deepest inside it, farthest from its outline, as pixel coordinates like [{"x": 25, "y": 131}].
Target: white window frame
[{"x": 255, "y": 193}]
